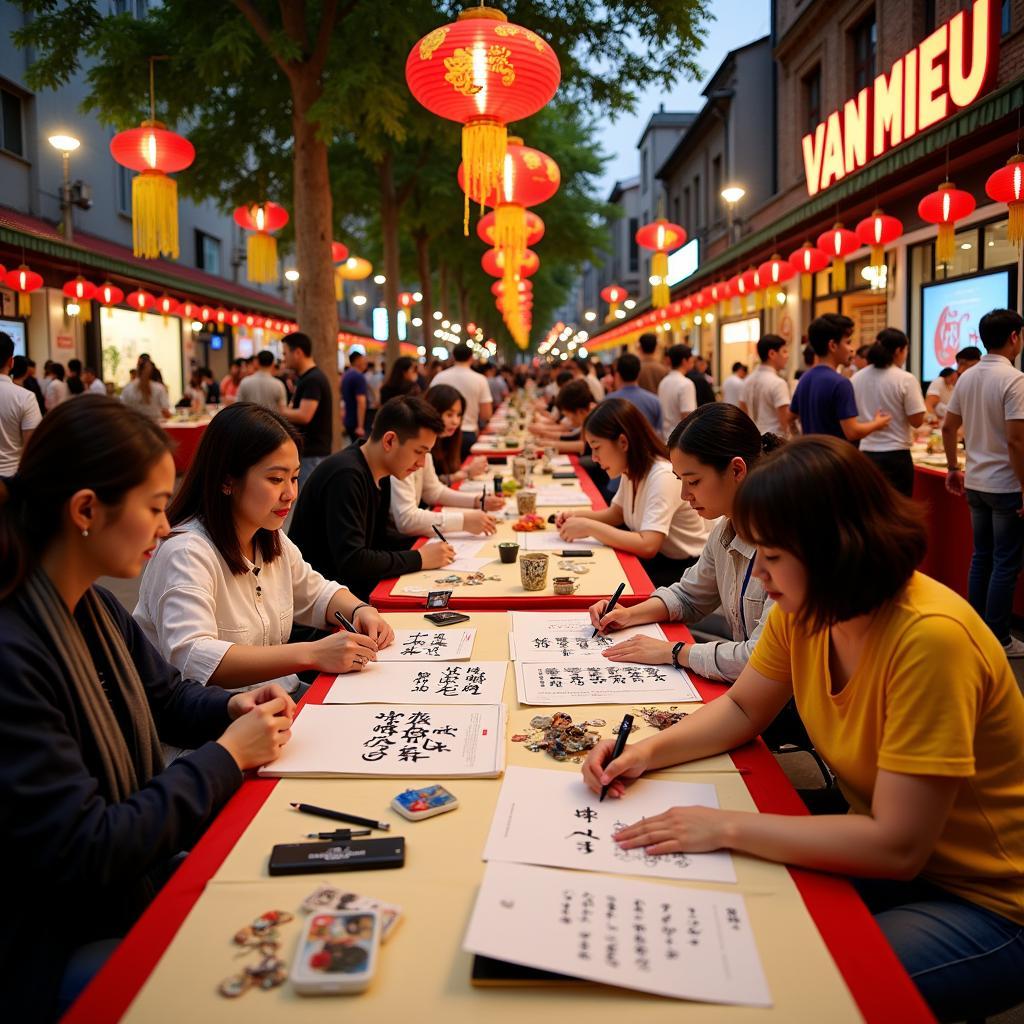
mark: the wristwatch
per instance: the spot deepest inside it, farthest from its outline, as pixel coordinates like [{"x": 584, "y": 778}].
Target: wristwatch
[{"x": 675, "y": 653}]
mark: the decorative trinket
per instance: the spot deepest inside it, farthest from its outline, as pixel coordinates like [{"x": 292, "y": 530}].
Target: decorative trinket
[{"x": 269, "y": 971}]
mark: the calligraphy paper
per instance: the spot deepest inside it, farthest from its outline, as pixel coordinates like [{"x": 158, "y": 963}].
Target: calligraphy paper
[
  {"x": 557, "y": 636},
  {"x": 555, "y": 497},
  {"x": 426, "y": 741},
  {"x": 550, "y": 817},
  {"x": 576, "y": 681},
  {"x": 669, "y": 940},
  {"x": 548, "y": 540},
  {"x": 431, "y": 644},
  {"x": 394, "y": 683}
]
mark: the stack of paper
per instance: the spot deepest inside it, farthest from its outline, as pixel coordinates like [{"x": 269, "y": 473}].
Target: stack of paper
[{"x": 409, "y": 741}]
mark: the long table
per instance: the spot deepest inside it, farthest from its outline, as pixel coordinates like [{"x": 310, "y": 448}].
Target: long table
[
  {"x": 824, "y": 956},
  {"x": 606, "y": 569},
  {"x": 186, "y": 437}
]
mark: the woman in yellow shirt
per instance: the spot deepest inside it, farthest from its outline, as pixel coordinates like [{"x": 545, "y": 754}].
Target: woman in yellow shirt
[{"x": 909, "y": 697}]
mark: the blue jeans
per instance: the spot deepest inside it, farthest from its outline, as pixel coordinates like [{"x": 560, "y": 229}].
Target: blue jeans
[
  {"x": 967, "y": 961},
  {"x": 995, "y": 564}
]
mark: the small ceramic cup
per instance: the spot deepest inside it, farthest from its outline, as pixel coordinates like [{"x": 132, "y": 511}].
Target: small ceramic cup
[
  {"x": 564, "y": 586},
  {"x": 519, "y": 467},
  {"x": 526, "y": 502},
  {"x": 533, "y": 568},
  {"x": 507, "y": 551}
]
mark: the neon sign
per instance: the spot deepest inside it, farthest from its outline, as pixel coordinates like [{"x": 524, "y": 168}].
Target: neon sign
[{"x": 945, "y": 72}]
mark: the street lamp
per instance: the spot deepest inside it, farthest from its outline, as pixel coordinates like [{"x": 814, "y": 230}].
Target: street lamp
[
  {"x": 65, "y": 145},
  {"x": 732, "y": 194},
  {"x": 291, "y": 274}
]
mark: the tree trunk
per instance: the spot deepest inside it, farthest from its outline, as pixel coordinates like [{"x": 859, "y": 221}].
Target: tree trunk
[
  {"x": 442, "y": 302},
  {"x": 422, "y": 240},
  {"x": 389, "y": 230},
  {"x": 463, "y": 306},
  {"x": 317, "y": 311}
]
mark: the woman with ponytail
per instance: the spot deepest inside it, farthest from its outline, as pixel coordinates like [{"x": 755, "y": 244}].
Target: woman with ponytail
[
  {"x": 885, "y": 386},
  {"x": 712, "y": 450},
  {"x": 91, "y": 819}
]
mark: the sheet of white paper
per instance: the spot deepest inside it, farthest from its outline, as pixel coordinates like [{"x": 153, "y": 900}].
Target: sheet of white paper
[
  {"x": 577, "y": 681},
  {"x": 565, "y": 636},
  {"x": 561, "y": 462},
  {"x": 463, "y": 563},
  {"x": 549, "y": 497},
  {"x": 430, "y": 644},
  {"x": 672, "y": 941},
  {"x": 549, "y": 817},
  {"x": 392, "y": 682},
  {"x": 548, "y": 540},
  {"x": 467, "y": 545},
  {"x": 410, "y": 741}
]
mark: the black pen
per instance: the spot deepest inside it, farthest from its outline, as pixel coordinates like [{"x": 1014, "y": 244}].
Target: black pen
[
  {"x": 611, "y": 604},
  {"x": 350, "y": 819},
  {"x": 620, "y": 745},
  {"x": 338, "y": 834},
  {"x": 439, "y": 534},
  {"x": 348, "y": 625}
]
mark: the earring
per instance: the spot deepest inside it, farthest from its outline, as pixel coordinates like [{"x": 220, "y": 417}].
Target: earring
[{"x": 85, "y": 533}]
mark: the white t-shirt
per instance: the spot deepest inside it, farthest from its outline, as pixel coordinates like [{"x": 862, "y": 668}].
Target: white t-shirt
[
  {"x": 678, "y": 397},
  {"x": 264, "y": 389},
  {"x": 944, "y": 392},
  {"x": 764, "y": 393},
  {"x": 893, "y": 391},
  {"x": 985, "y": 397},
  {"x": 732, "y": 389},
  {"x": 158, "y": 400},
  {"x": 474, "y": 390},
  {"x": 97, "y": 387},
  {"x": 55, "y": 393},
  {"x": 659, "y": 506},
  {"x": 19, "y": 411}
]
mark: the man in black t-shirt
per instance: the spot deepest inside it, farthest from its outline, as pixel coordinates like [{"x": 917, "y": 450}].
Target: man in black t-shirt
[{"x": 311, "y": 405}]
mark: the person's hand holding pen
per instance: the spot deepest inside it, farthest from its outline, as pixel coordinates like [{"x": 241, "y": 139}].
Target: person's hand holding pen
[
  {"x": 437, "y": 554},
  {"x": 605, "y": 621},
  {"x": 475, "y": 521}
]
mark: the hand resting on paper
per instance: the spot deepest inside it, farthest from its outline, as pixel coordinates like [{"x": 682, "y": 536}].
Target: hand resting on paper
[
  {"x": 477, "y": 522},
  {"x": 242, "y": 703},
  {"x": 645, "y": 650},
  {"x": 575, "y": 527},
  {"x": 677, "y": 830},
  {"x": 256, "y": 737},
  {"x": 600, "y": 770}
]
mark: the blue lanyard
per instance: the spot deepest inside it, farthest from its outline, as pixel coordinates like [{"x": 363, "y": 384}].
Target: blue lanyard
[{"x": 743, "y": 592}]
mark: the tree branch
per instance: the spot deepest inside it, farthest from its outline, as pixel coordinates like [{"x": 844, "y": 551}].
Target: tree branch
[
  {"x": 421, "y": 161},
  {"x": 262, "y": 30},
  {"x": 323, "y": 39}
]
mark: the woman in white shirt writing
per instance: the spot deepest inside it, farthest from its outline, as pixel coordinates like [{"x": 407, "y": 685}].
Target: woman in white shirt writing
[
  {"x": 661, "y": 529},
  {"x": 222, "y": 592},
  {"x": 464, "y": 511}
]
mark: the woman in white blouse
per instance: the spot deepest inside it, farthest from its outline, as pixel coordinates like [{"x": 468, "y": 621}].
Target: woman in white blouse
[
  {"x": 222, "y": 592},
  {"x": 146, "y": 395},
  {"x": 662, "y": 530},
  {"x": 462, "y": 511}
]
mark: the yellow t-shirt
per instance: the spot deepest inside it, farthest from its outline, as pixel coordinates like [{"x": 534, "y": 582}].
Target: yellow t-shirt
[{"x": 933, "y": 695}]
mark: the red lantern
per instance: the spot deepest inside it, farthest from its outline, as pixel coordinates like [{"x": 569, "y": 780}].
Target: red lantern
[
  {"x": 166, "y": 306},
  {"x": 878, "y": 231},
  {"x": 522, "y": 287},
  {"x": 1007, "y": 186},
  {"x": 261, "y": 247},
  {"x": 339, "y": 252},
  {"x": 234, "y": 318},
  {"x": 23, "y": 281},
  {"x": 140, "y": 300},
  {"x": 663, "y": 237},
  {"x": 405, "y": 299},
  {"x": 773, "y": 273},
  {"x": 483, "y": 72},
  {"x": 109, "y": 295},
  {"x": 837, "y": 243},
  {"x": 205, "y": 314},
  {"x": 748, "y": 285},
  {"x": 807, "y": 261},
  {"x": 81, "y": 292},
  {"x": 494, "y": 264},
  {"x": 534, "y": 228},
  {"x": 154, "y": 152},
  {"x": 220, "y": 315},
  {"x": 188, "y": 309},
  {"x": 614, "y": 295},
  {"x": 945, "y": 206}
]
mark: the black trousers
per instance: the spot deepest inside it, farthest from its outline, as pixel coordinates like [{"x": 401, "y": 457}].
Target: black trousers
[
  {"x": 665, "y": 571},
  {"x": 897, "y": 467}
]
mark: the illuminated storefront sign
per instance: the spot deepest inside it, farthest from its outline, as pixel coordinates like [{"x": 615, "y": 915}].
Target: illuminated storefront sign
[{"x": 945, "y": 72}]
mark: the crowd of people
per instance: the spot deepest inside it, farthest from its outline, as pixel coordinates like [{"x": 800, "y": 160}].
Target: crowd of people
[{"x": 789, "y": 511}]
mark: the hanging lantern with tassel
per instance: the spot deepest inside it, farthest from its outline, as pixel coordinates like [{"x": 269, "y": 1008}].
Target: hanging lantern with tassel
[
  {"x": 944, "y": 207},
  {"x": 751, "y": 282},
  {"x": 614, "y": 295},
  {"x": 878, "y": 231},
  {"x": 484, "y": 72},
  {"x": 807, "y": 261},
  {"x": 261, "y": 220},
  {"x": 772, "y": 274},
  {"x": 109, "y": 295},
  {"x": 485, "y": 228},
  {"x": 663, "y": 237},
  {"x": 24, "y": 282},
  {"x": 1007, "y": 186},
  {"x": 140, "y": 300},
  {"x": 167, "y": 307},
  {"x": 837, "y": 243},
  {"x": 81, "y": 292}
]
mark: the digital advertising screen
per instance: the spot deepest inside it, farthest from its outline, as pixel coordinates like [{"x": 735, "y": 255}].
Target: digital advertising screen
[
  {"x": 950, "y": 312},
  {"x": 16, "y": 329}
]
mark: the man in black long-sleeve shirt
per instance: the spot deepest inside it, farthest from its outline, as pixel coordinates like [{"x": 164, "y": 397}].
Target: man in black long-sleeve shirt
[{"x": 341, "y": 519}]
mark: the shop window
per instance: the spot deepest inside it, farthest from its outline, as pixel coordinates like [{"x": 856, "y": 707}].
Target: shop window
[
  {"x": 996, "y": 251},
  {"x": 207, "y": 252},
  {"x": 10, "y": 123},
  {"x": 965, "y": 255},
  {"x": 716, "y": 188},
  {"x": 864, "y": 38},
  {"x": 812, "y": 99}
]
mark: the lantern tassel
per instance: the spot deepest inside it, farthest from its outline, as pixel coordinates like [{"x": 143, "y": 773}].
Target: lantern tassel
[
  {"x": 660, "y": 294},
  {"x": 878, "y": 256},
  {"x": 758, "y": 301},
  {"x": 24, "y": 305},
  {"x": 261, "y": 258},
  {"x": 806, "y": 286},
  {"x": 85, "y": 311},
  {"x": 154, "y": 215},
  {"x": 339, "y": 286},
  {"x": 613, "y": 308},
  {"x": 510, "y": 236},
  {"x": 484, "y": 144},
  {"x": 1015, "y": 229},
  {"x": 839, "y": 275},
  {"x": 944, "y": 244}
]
